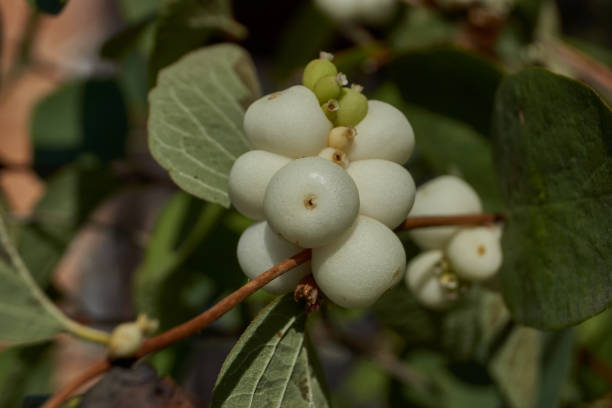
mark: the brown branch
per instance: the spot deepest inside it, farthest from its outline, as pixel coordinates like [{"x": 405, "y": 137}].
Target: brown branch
[
  {"x": 436, "y": 221},
  {"x": 226, "y": 304},
  {"x": 186, "y": 329}
]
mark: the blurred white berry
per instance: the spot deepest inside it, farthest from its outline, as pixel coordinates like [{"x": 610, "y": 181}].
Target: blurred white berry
[
  {"x": 311, "y": 202},
  {"x": 290, "y": 123},
  {"x": 386, "y": 190},
  {"x": 475, "y": 254},
  {"x": 260, "y": 248},
  {"x": 376, "y": 12},
  {"x": 444, "y": 195},
  {"x": 384, "y": 133},
  {"x": 340, "y": 10},
  {"x": 425, "y": 279},
  {"x": 355, "y": 270},
  {"x": 249, "y": 179}
]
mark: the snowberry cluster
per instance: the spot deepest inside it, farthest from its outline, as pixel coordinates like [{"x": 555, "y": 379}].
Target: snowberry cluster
[
  {"x": 453, "y": 256},
  {"x": 326, "y": 173}
]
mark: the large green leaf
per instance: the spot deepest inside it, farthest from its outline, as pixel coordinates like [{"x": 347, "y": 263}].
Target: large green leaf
[
  {"x": 22, "y": 318},
  {"x": 24, "y": 371},
  {"x": 82, "y": 116},
  {"x": 450, "y": 81},
  {"x": 195, "y": 123},
  {"x": 553, "y": 148},
  {"x": 184, "y": 25},
  {"x": 273, "y": 364}
]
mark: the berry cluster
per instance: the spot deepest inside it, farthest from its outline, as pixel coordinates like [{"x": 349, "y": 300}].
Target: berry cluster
[
  {"x": 453, "y": 256},
  {"x": 326, "y": 173}
]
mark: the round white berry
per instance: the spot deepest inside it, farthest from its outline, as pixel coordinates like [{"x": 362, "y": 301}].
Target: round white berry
[
  {"x": 340, "y": 10},
  {"x": 311, "y": 202},
  {"x": 386, "y": 190},
  {"x": 444, "y": 195},
  {"x": 423, "y": 278},
  {"x": 290, "y": 123},
  {"x": 249, "y": 178},
  {"x": 260, "y": 248},
  {"x": 376, "y": 12},
  {"x": 475, "y": 254},
  {"x": 384, "y": 133},
  {"x": 355, "y": 270}
]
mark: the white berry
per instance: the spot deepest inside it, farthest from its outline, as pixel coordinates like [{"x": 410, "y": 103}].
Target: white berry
[
  {"x": 355, "y": 270},
  {"x": 444, "y": 195},
  {"x": 386, "y": 190},
  {"x": 475, "y": 254},
  {"x": 376, "y": 12},
  {"x": 341, "y": 10},
  {"x": 384, "y": 133},
  {"x": 249, "y": 178},
  {"x": 260, "y": 248},
  {"x": 423, "y": 279},
  {"x": 290, "y": 123},
  {"x": 311, "y": 202}
]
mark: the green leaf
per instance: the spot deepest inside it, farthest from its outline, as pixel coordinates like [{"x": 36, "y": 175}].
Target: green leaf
[
  {"x": 184, "y": 25},
  {"x": 273, "y": 363},
  {"x": 448, "y": 81},
  {"x": 195, "y": 123},
  {"x": 48, "y": 6},
  {"x": 80, "y": 117},
  {"x": 557, "y": 358},
  {"x": 516, "y": 367},
  {"x": 183, "y": 224},
  {"x": 22, "y": 318},
  {"x": 447, "y": 146},
  {"x": 24, "y": 371},
  {"x": 553, "y": 155}
]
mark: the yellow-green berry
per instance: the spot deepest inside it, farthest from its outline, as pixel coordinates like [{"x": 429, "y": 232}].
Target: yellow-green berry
[
  {"x": 352, "y": 107},
  {"x": 327, "y": 88},
  {"x": 330, "y": 109},
  {"x": 317, "y": 69}
]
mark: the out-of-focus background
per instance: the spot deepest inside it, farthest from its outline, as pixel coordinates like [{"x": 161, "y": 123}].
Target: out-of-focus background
[{"x": 107, "y": 233}]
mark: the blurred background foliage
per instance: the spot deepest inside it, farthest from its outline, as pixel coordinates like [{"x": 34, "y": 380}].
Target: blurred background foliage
[{"x": 108, "y": 235}]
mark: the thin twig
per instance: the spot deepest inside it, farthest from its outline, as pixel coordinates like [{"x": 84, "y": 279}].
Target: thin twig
[
  {"x": 186, "y": 329},
  {"x": 441, "y": 220},
  {"x": 201, "y": 321}
]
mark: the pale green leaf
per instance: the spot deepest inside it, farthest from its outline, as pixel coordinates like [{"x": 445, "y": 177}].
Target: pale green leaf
[
  {"x": 195, "y": 122},
  {"x": 554, "y": 160},
  {"x": 273, "y": 364},
  {"x": 22, "y": 318}
]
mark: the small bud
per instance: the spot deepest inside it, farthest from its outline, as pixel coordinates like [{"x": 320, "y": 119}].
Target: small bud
[
  {"x": 340, "y": 137},
  {"x": 357, "y": 87},
  {"x": 353, "y": 107},
  {"x": 330, "y": 108},
  {"x": 335, "y": 155},
  {"x": 326, "y": 55},
  {"x": 317, "y": 69},
  {"x": 125, "y": 340},
  {"x": 327, "y": 88},
  {"x": 146, "y": 324},
  {"x": 341, "y": 78}
]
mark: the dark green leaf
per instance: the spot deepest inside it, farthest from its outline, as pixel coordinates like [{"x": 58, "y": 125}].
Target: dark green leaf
[
  {"x": 80, "y": 117},
  {"x": 24, "y": 371},
  {"x": 273, "y": 363},
  {"x": 557, "y": 357},
  {"x": 448, "y": 146},
  {"x": 184, "y": 25},
  {"x": 48, "y": 6},
  {"x": 195, "y": 123},
  {"x": 448, "y": 81},
  {"x": 553, "y": 156}
]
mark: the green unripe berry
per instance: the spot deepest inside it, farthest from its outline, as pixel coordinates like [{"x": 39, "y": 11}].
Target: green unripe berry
[
  {"x": 352, "y": 107},
  {"x": 317, "y": 69},
  {"x": 327, "y": 88},
  {"x": 330, "y": 109}
]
